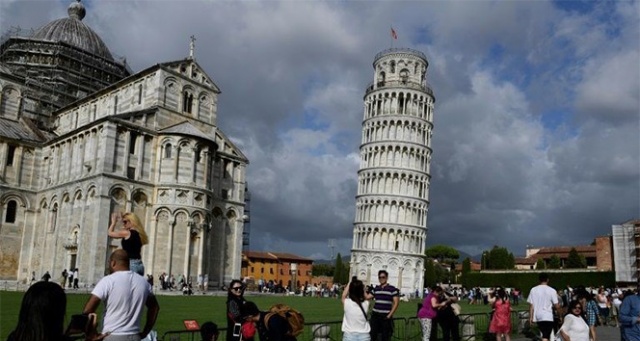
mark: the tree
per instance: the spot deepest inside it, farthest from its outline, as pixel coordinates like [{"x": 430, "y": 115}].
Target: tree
[
  {"x": 498, "y": 258},
  {"x": 442, "y": 253},
  {"x": 574, "y": 261},
  {"x": 466, "y": 266},
  {"x": 322, "y": 270},
  {"x": 540, "y": 264},
  {"x": 338, "y": 269},
  {"x": 429, "y": 273},
  {"x": 554, "y": 262}
]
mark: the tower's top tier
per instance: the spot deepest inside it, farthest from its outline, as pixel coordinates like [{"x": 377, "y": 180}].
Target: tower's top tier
[
  {"x": 400, "y": 51},
  {"x": 400, "y": 67}
]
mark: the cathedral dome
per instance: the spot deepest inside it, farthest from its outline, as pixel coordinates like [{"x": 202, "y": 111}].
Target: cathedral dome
[{"x": 73, "y": 31}]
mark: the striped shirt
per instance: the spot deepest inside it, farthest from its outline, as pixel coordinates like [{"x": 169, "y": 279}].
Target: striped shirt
[{"x": 384, "y": 298}]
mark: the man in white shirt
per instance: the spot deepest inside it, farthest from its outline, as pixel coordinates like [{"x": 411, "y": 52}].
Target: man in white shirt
[
  {"x": 125, "y": 294},
  {"x": 542, "y": 300}
]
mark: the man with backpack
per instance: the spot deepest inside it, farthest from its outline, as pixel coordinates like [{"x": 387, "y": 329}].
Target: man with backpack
[{"x": 280, "y": 323}]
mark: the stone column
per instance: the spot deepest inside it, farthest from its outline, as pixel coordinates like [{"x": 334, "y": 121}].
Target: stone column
[
  {"x": 172, "y": 223},
  {"x": 125, "y": 152},
  {"x": 151, "y": 247},
  {"x": 140, "y": 152}
]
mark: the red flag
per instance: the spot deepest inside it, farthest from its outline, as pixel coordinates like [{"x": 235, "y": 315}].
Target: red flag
[{"x": 394, "y": 34}]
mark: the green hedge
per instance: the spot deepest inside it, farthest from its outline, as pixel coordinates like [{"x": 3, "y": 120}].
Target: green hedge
[{"x": 526, "y": 280}]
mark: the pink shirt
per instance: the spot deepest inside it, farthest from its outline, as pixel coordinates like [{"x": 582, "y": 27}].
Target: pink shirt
[{"x": 427, "y": 311}]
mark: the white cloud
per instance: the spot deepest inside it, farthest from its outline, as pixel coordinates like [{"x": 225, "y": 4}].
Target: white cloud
[{"x": 536, "y": 119}]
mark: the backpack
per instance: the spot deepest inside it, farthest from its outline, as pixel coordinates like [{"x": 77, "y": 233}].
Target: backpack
[{"x": 293, "y": 317}]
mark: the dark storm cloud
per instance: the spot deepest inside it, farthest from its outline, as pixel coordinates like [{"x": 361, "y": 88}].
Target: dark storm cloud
[{"x": 506, "y": 170}]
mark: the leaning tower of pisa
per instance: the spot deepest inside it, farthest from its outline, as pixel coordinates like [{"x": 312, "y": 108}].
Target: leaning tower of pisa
[{"x": 390, "y": 226}]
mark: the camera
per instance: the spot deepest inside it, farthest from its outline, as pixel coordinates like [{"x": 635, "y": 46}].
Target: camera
[
  {"x": 370, "y": 289},
  {"x": 78, "y": 324},
  {"x": 236, "y": 329}
]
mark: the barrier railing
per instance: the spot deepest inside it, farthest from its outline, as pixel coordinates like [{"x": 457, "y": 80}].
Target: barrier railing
[{"x": 472, "y": 327}]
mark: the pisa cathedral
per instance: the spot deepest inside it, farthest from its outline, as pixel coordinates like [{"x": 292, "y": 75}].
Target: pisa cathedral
[
  {"x": 392, "y": 201},
  {"x": 82, "y": 136}
]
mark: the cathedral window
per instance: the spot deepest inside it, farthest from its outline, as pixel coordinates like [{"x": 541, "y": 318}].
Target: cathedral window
[
  {"x": 115, "y": 105},
  {"x": 187, "y": 102},
  {"x": 393, "y": 66},
  {"x": 198, "y": 153},
  {"x": 12, "y": 208},
  {"x": 167, "y": 151},
  {"x": 11, "y": 152},
  {"x": 139, "y": 93},
  {"x": 132, "y": 143}
]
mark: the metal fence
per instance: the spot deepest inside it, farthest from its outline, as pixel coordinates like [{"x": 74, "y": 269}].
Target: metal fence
[{"x": 473, "y": 327}]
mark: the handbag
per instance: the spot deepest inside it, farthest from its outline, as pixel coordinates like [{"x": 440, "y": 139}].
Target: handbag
[
  {"x": 457, "y": 309},
  {"x": 248, "y": 329}
]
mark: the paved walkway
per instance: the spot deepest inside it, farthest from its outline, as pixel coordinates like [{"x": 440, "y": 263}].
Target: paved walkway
[{"x": 603, "y": 333}]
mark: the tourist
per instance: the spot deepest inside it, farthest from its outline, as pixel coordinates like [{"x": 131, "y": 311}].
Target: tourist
[
  {"x": 428, "y": 312},
  {"x": 133, "y": 237},
  {"x": 387, "y": 299},
  {"x": 603, "y": 305},
  {"x": 501, "y": 320},
  {"x": 209, "y": 331},
  {"x": 574, "y": 327},
  {"x": 125, "y": 294},
  {"x": 629, "y": 316},
  {"x": 76, "y": 278},
  {"x": 447, "y": 318},
  {"x": 276, "y": 328},
  {"x": 63, "y": 278},
  {"x": 590, "y": 310},
  {"x": 542, "y": 300},
  {"x": 355, "y": 302},
  {"x": 235, "y": 300},
  {"x": 42, "y": 312}
]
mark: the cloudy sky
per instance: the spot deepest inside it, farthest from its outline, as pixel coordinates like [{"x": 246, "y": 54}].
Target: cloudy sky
[{"x": 537, "y": 119}]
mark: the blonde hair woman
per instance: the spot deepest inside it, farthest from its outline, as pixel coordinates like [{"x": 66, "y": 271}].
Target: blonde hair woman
[{"x": 133, "y": 237}]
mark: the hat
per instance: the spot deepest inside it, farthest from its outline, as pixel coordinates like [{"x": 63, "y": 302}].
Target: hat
[{"x": 249, "y": 309}]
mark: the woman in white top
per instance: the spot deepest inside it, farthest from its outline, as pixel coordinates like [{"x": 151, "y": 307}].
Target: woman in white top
[
  {"x": 574, "y": 327},
  {"x": 355, "y": 301}
]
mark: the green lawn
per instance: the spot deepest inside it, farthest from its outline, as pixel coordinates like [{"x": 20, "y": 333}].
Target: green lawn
[{"x": 175, "y": 309}]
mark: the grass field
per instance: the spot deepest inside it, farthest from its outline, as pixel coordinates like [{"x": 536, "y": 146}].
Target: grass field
[{"x": 175, "y": 309}]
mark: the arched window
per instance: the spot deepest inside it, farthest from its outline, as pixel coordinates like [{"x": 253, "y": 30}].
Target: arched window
[
  {"x": 12, "y": 208},
  {"x": 167, "y": 151},
  {"x": 187, "y": 101}
]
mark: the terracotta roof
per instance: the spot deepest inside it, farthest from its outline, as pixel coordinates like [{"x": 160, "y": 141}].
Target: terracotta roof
[
  {"x": 525, "y": 261},
  {"x": 563, "y": 251},
  {"x": 290, "y": 256},
  {"x": 274, "y": 256},
  {"x": 259, "y": 255}
]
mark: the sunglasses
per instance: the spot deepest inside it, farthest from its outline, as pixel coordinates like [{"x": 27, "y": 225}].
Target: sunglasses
[
  {"x": 125, "y": 221},
  {"x": 236, "y": 288}
]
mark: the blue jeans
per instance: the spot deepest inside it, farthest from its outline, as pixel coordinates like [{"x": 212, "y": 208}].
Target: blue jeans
[
  {"x": 136, "y": 266},
  {"x": 350, "y": 336}
]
